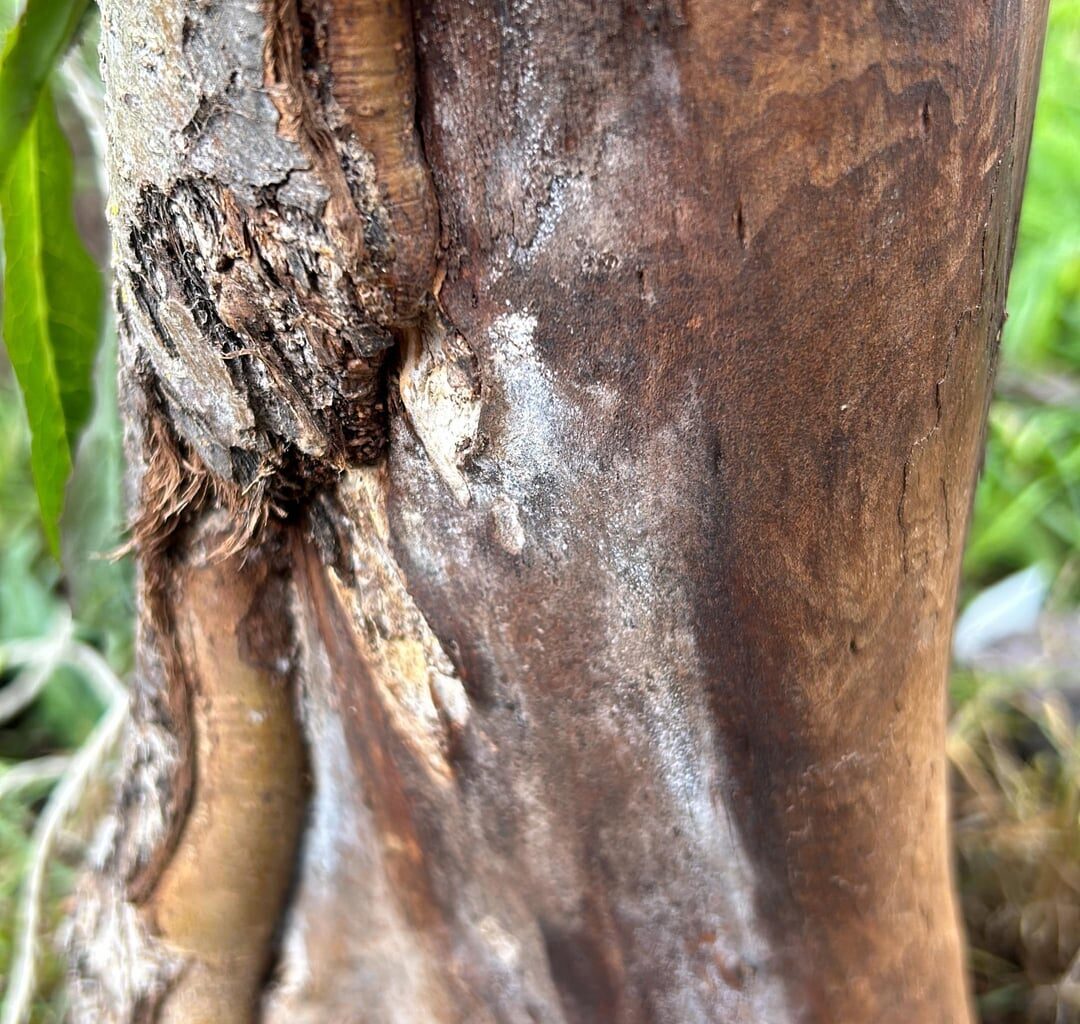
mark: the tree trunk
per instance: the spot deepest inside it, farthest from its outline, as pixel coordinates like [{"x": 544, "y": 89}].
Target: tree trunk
[{"x": 553, "y": 430}]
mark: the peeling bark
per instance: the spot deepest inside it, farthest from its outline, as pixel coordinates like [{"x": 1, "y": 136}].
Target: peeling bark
[{"x": 597, "y": 529}]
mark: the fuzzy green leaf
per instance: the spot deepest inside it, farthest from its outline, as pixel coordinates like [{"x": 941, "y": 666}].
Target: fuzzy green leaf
[{"x": 52, "y": 305}]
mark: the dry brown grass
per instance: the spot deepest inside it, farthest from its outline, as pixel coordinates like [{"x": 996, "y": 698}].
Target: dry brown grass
[{"x": 1016, "y": 754}]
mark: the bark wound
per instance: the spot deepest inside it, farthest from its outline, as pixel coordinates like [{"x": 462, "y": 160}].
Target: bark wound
[
  {"x": 294, "y": 355},
  {"x": 343, "y": 74},
  {"x": 220, "y": 897},
  {"x": 269, "y": 255},
  {"x": 373, "y": 72},
  {"x": 278, "y": 304}
]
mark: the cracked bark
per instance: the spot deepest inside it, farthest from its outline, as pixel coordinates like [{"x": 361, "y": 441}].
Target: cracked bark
[{"x": 552, "y": 433}]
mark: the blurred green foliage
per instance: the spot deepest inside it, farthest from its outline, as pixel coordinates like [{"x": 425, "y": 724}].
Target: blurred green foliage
[
  {"x": 36, "y": 589},
  {"x": 45, "y": 31},
  {"x": 1016, "y": 754},
  {"x": 1027, "y": 508},
  {"x": 17, "y": 813},
  {"x": 52, "y": 304}
]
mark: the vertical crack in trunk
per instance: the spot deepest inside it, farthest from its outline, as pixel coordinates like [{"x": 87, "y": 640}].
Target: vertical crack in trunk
[{"x": 343, "y": 73}]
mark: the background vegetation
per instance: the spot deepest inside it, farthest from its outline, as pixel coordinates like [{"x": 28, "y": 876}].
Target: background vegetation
[{"x": 1016, "y": 686}]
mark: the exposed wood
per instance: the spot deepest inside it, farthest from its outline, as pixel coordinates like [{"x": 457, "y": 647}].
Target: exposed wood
[
  {"x": 621, "y": 667},
  {"x": 220, "y": 898}
]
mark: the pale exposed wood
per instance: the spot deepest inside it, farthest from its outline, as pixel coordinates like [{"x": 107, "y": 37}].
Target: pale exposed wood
[{"x": 220, "y": 898}]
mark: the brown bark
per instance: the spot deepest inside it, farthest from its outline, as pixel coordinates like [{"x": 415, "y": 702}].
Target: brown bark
[{"x": 621, "y": 667}]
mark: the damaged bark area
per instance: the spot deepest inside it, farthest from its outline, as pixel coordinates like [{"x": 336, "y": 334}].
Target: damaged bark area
[
  {"x": 217, "y": 903},
  {"x": 177, "y": 921},
  {"x": 603, "y": 523},
  {"x": 265, "y": 290},
  {"x": 275, "y": 232}
]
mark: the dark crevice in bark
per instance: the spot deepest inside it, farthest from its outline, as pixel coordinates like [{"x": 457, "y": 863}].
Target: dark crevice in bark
[{"x": 581, "y": 972}]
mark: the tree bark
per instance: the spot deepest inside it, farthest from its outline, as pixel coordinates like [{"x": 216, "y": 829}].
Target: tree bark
[{"x": 553, "y": 431}]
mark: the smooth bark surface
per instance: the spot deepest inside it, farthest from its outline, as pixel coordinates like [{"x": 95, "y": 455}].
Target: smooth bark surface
[{"x": 571, "y": 413}]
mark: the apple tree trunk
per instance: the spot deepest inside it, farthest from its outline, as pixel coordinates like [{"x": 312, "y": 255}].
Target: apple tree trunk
[{"x": 553, "y": 427}]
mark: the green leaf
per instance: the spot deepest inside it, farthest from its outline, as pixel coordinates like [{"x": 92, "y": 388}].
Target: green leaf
[
  {"x": 41, "y": 37},
  {"x": 52, "y": 306}
]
